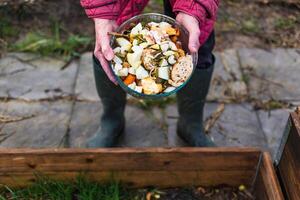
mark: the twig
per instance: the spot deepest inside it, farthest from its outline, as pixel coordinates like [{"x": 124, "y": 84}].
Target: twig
[
  {"x": 267, "y": 80},
  {"x": 214, "y": 117},
  {"x": 9, "y": 119},
  {"x": 117, "y": 34}
]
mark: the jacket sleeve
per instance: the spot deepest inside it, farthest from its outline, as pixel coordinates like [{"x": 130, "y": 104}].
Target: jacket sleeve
[
  {"x": 105, "y": 9},
  {"x": 201, "y": 9}
]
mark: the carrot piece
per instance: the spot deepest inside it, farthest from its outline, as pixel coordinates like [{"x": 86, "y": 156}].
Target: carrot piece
[
  {"x": 129, "y": 79},
  {"x": 126, "y": 64},
  {"x": 174, "y": 38}
]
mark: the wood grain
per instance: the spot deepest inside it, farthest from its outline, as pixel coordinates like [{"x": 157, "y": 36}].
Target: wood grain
[
  {"x": 289, "y": 165},
  {"x": 141, "y": 167},
  {"x": 164, "y": 167},
  {"x": 137, "y": 179},
  {"x": 267, "y": 185},
  {"x": 185, "y": 159}
]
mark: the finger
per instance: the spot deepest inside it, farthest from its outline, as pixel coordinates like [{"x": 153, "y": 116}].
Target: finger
[
  {"x": 106, "y": 67},
  {"x": 105, "y": 47},
  {"x": 194, "y": 43},
  {"x": 192, "y": 26}
]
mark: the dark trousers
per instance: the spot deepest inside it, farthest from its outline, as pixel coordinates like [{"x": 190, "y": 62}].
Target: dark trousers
[{"x": 205, "y": 56}]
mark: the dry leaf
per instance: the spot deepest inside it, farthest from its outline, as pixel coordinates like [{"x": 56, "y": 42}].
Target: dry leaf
[{"x": 214, "y": 117}]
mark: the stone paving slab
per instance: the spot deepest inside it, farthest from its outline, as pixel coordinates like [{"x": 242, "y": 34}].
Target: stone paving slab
[
  {"x": 40, "y": 78},
  {"x": 273, "y": 124},
  {"x": 30, "y": 77},
  {"x": 142, "y": 129},
  {"x": 85, "y": 85},
  {"x": 45, "y": 125},
  {"x": 272, "y": 74},
  {"x": 227, "y": 81},
  {"x": 238, "y": 126},
  {"x": 23, "y": 56},
  {"x": 171, "y": 117}
]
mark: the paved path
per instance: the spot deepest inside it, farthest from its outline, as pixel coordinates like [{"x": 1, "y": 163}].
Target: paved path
[{"x": 46, "y": 102}]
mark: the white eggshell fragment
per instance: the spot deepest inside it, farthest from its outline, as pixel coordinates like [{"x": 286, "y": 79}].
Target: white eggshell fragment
[
  {"x": 172, "y": 46},
  {"x": 144, "y": 45},
  {"x": 123, "y": 72},
  {"x": 144, "y": 32},
  {"x": 171, "y": 60},
  {"x": 141, "y": 73},
  {"x": 153, "y": 24},
  {"x": 137, "y": 49},
  {"x": 164, "y": 25},
  {"x": 135, "y": 42},
  {"x": 134, "y": 59},
  {"x": 164, "y": 46},
  {"x": 136, "y": 30},
  {"x": 132, "y": 70},
  {"x": 132, "y": 86},
  {"x": 117, "y": 67},
  {"x": 116, "y": 59},
  {"x": 138, "y": 89},
  {"x": 122, "y": 42},
  {"x": 117, "y": 50},
  {"x": 163, "y": 73},
  {"x": 168, "y": 53},
  {"x": 169, "y": 89},
  {"x": 163, "y": 63}
]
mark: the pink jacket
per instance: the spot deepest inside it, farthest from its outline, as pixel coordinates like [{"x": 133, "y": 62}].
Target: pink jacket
[{"x": 204, "y": 10}]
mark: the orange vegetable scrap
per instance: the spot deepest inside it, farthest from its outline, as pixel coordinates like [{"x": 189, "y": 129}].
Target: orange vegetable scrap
[{"x": 129, "y": 79}]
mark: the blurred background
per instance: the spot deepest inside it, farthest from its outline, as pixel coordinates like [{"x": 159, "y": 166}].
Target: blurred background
[{"x": 60, "y": 26}]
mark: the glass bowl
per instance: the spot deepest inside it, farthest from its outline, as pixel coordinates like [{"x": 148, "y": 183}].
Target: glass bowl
[{"x": 183, "y": 38}]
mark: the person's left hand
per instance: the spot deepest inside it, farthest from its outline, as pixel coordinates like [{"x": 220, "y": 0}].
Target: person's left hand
[{"x": 192, "y": 25}]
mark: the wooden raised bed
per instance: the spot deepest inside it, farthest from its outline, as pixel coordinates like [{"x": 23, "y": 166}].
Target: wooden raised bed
[
  {"x": 288, "y": 163},
  {"x": 160, "y": 167}
]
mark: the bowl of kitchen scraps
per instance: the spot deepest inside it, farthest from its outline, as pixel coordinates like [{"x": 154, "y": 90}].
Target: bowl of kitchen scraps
[{"x": 152, "y": 59}]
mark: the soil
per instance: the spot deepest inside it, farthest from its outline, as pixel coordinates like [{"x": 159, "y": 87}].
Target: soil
[
  {"x": 222, "y": 192},
  {"x": 241, "y": 23},
  {"x": 55, "y": 190}
]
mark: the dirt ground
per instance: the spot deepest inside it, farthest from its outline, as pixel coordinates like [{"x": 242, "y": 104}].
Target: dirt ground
[{"x": 241, "y": 23}]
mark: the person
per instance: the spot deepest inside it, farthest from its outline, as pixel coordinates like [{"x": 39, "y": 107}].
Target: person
[{"x": 198, "y": 17}]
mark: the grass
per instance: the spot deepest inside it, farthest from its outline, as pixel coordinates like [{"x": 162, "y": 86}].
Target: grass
[
  {"x": 80, "y": 189},
  {"x": 52, "y": 44},
  {"x": 250, "y": 26},
  {"x": 285, "y": 23},
  {"x": 154, "y": 6},
  {"x": 7, "y": 29},
  {"x": 270, "y": 105}
]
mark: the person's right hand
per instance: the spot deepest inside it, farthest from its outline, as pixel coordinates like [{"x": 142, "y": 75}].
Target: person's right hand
[{"x": 103, "y": 50}]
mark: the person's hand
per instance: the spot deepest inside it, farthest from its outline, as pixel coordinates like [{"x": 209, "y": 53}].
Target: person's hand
[
  {"x": 103, "y": 50},
  {"x": 192, "y": 25}
]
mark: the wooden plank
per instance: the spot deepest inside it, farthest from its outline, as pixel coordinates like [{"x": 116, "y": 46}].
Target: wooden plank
[
  {"x": 294, "y": 137},
  {"x": 138, "y": 179},
  {"x": 162, "y": 167},
  {"x": 289, "y": 165},
  {"x": 267, "y": 186},
  {"x": 186, "y": 159}
]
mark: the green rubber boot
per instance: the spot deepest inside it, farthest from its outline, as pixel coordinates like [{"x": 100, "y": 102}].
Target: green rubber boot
[
  {"x": 113, "y": 99},
  {"x": 191, "y": 100}
]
